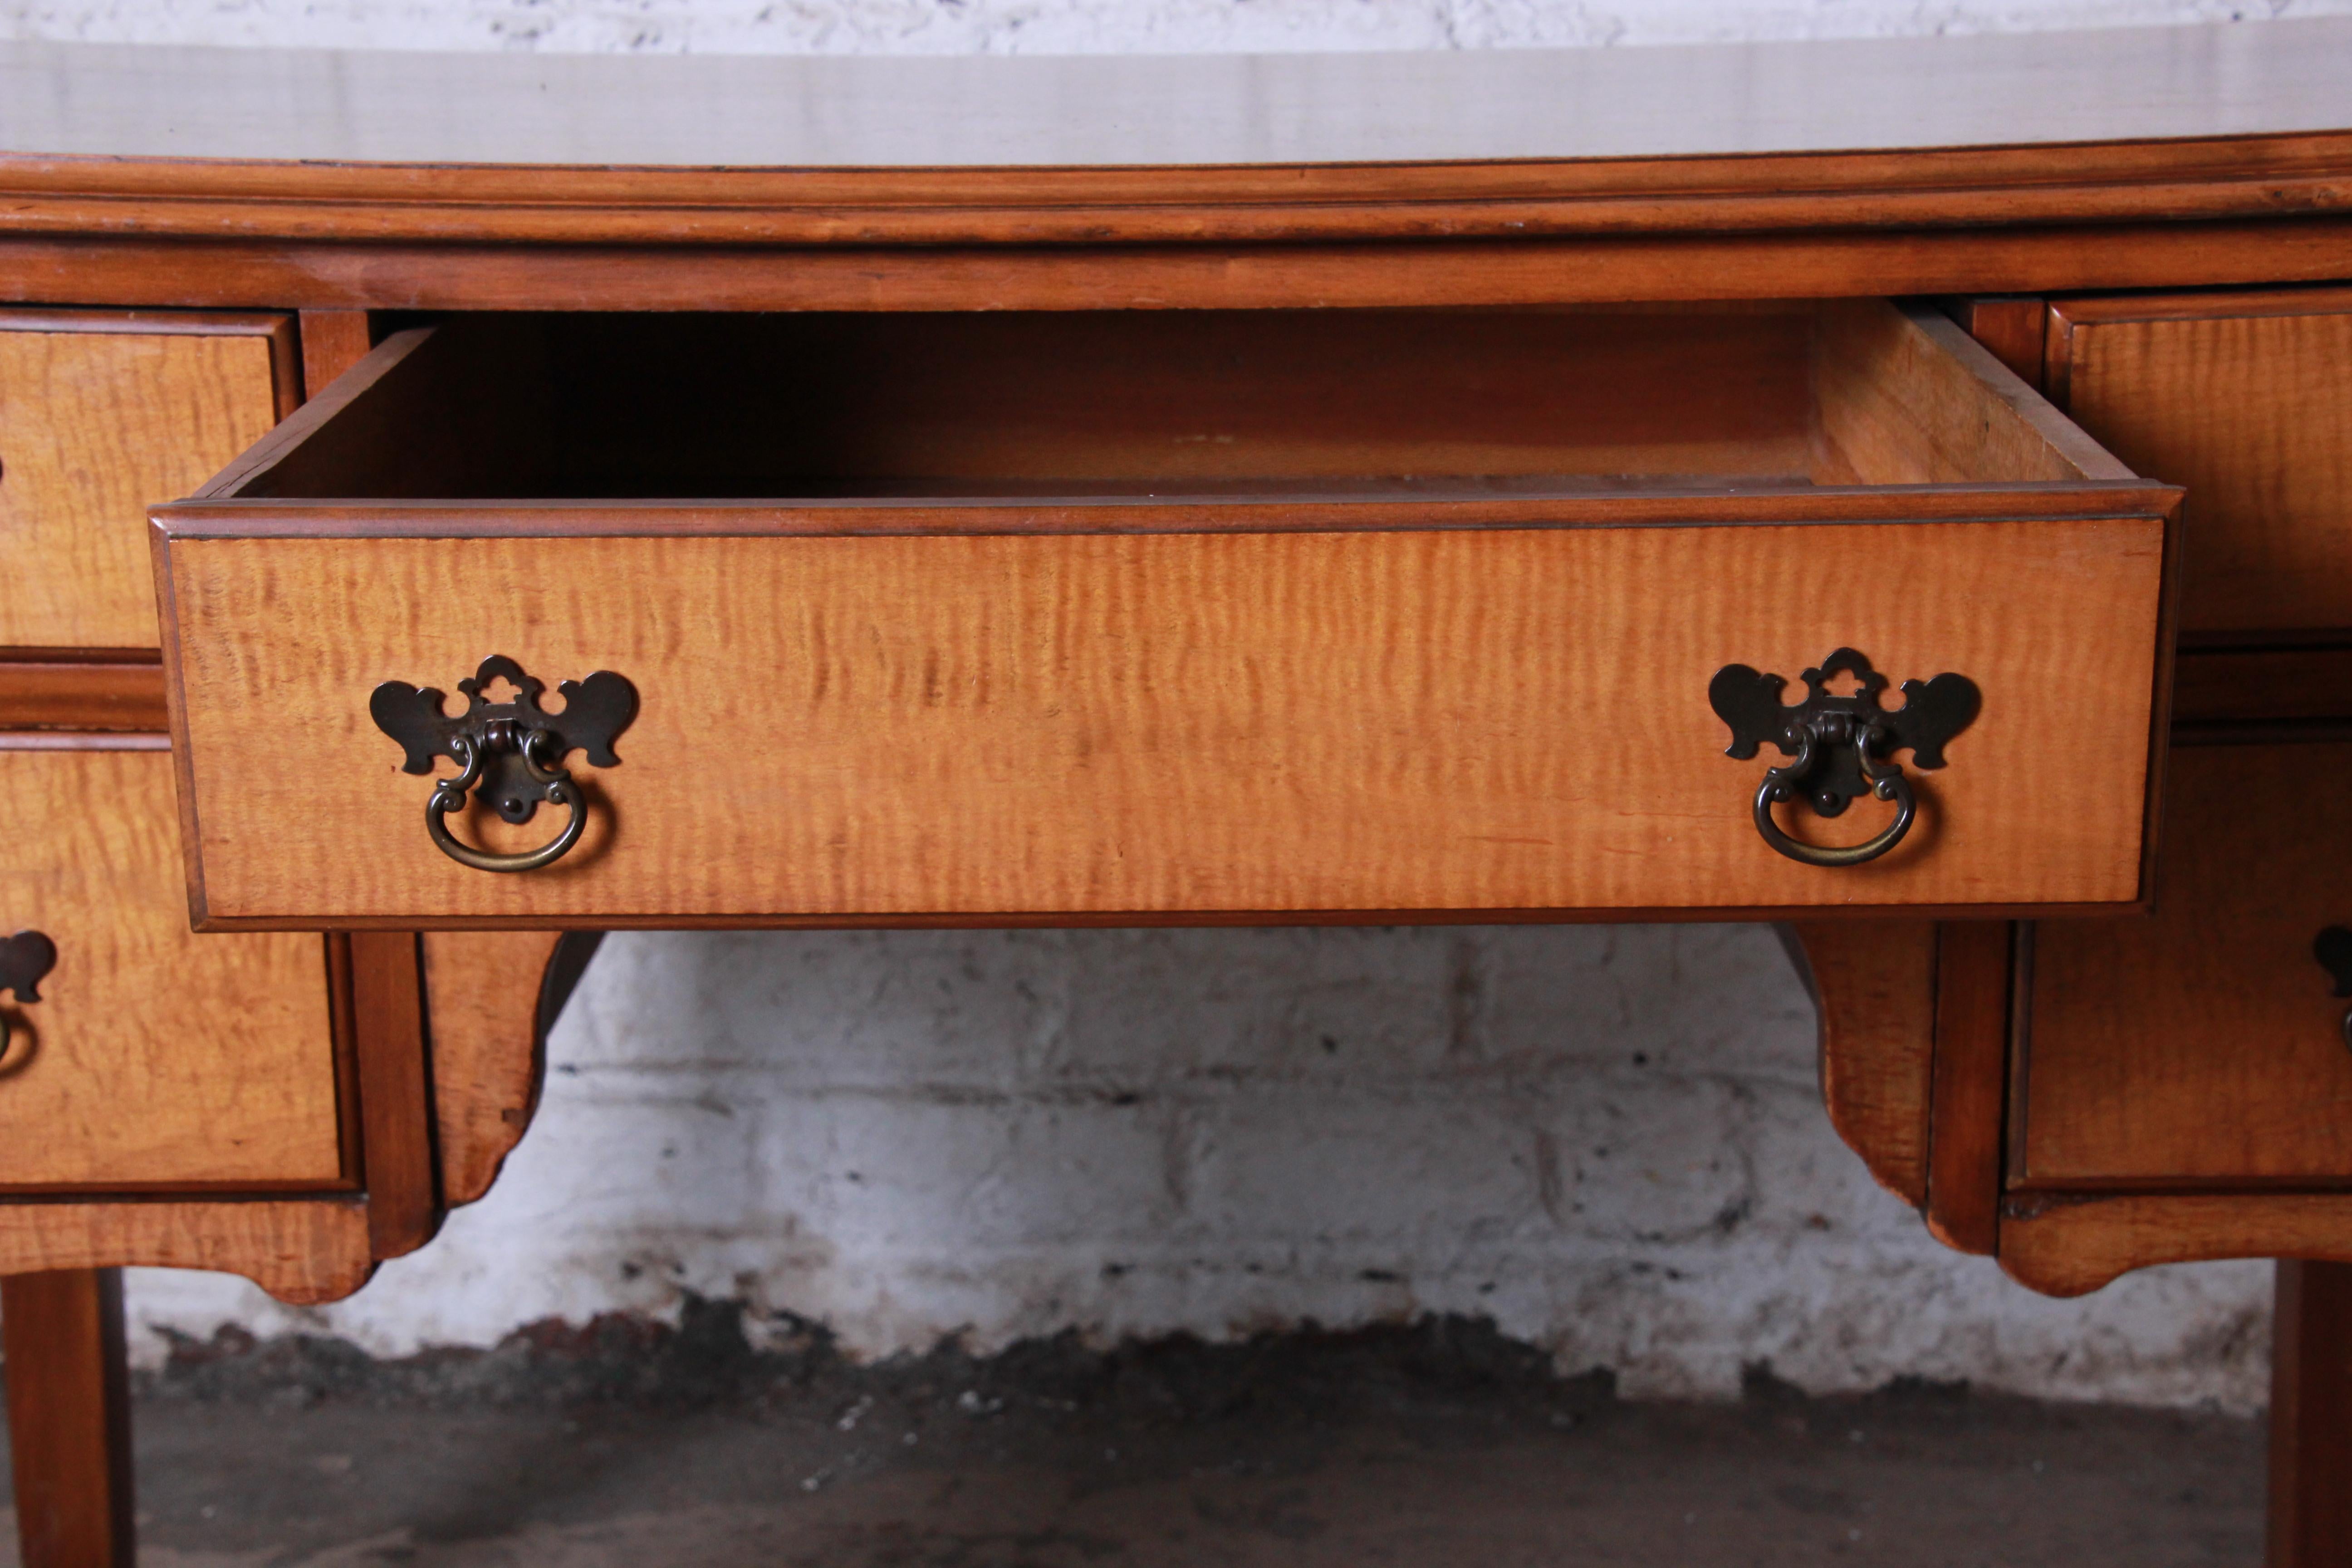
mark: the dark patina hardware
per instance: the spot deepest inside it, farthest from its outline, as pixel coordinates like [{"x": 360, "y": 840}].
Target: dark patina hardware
[
  {"x": 2333, "y": 948},
  {"x": 513, "y": 752},
  {"x": 1841, "y": 747},
  {"x": 25, "y": 960}
]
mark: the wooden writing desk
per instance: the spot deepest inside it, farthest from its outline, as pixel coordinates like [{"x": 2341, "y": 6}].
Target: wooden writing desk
[{"x": 1364, "y": 488}]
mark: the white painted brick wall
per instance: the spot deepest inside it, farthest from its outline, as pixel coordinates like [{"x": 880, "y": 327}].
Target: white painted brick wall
[{"x": 1608, "y": 1139}]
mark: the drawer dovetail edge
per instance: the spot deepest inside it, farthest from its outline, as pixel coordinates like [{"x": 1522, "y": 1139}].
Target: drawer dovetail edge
[{"x": 1289, "y": 617}]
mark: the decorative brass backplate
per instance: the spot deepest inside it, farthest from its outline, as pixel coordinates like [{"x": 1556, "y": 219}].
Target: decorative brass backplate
[
  {"x": 1841, "y": 746},
  {"x": 512, "y": 751},
  {"x": 2333, "y": 948},
  {"x": 25, "y": 960}
]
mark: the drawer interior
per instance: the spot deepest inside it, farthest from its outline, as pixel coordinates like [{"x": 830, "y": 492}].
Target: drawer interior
[{"x": 1170, "y": 404}]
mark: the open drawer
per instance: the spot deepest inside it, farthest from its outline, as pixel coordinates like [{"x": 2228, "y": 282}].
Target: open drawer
[{"x": 1166, "y": 617}]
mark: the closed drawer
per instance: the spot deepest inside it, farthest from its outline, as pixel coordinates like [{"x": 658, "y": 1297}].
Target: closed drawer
[
  {"x": 2246, "y": 399},
  {"x": 1185, "y": 616},
  {"x": 2204, "y": 1046},
  {"x": 103, "y": 414},
  {"x": 140, "y": 1056}
]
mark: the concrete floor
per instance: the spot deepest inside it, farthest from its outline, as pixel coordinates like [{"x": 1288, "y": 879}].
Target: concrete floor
[{"x": 1437, "y": 1445}]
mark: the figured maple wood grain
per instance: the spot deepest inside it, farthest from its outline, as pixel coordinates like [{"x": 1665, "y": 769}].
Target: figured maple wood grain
[
  {"x": 153, "y": 1056},
  {"x": 2071, "y": 1247},
  {"x": 2202, "y": 1044},
  {"x": 1874, "y": 985},
  {"x": 1165, "y": 725},
  {"x": 484, "y": 987},
  {"x": 2245, "y": 399},
  {"x": 302, "y": 1251},
  {"x": 95, "y": 427}
]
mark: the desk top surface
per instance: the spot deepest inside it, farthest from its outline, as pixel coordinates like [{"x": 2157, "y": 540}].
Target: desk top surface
[{"x": 2128, "y": 84}]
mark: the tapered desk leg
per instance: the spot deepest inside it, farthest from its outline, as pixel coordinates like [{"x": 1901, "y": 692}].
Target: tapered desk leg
[
  {"x": 2311, "y": 1417},
  {"x": 69, "y": 1416}
]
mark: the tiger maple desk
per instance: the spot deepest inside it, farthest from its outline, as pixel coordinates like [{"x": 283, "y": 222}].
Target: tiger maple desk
[{"x": 1347, "y": 488}]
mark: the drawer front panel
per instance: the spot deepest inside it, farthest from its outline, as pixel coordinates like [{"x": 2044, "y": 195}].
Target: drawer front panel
[
  {"x": 1164, "y": 725},
  {"x": 96, "y": 424},
  {"x": 152, "y": 1057},
  {"x": 2202, "y": 1044},
  {"x": 2247, "y": 401}
]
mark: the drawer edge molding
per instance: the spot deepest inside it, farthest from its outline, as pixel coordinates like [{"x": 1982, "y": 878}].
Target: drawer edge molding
[
  {"x": 2074, "y": 1244},
  {"x": 245, "y": 517},
  {"x": 66, "y": 690}
]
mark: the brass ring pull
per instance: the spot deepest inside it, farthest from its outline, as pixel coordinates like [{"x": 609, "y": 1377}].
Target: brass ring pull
[
  {"x": 1886, "y": 782},
  {"x": 1840, "y": 745},
  {"x": 512, "y": 752},
  {"x": 555, "y": 787}
]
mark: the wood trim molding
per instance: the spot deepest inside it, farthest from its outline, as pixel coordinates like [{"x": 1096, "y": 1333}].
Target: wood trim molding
[
  {"x": 61, "y": 692},
  {"x": 2204, "y": 306},
  {"x": 1701, "y": 263},
  {"x": 2070, "y": 1245},
  {"x": 271, "y": 324},
  {"x": 2206, "y": 178},
  {"x": 302, "y": 1251},
  {"x": 236, "y": 516}
]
